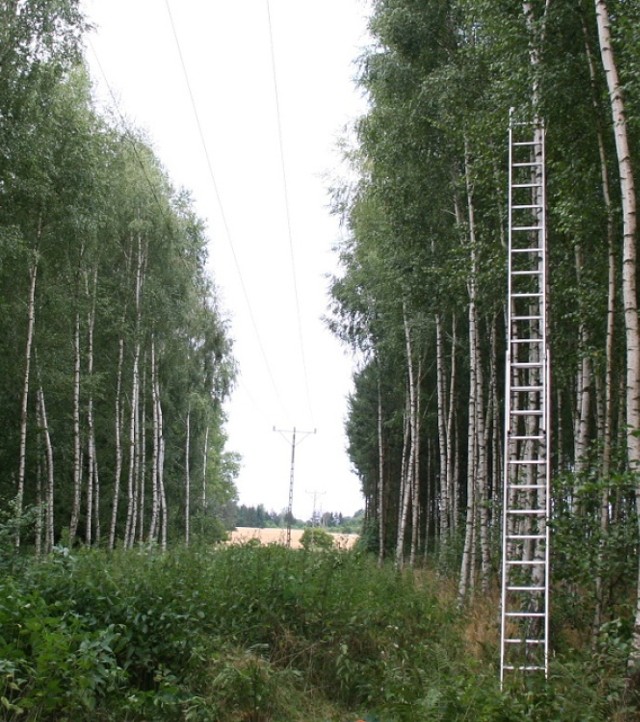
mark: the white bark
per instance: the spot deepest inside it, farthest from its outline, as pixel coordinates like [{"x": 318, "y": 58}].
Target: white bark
[
  {"x": 629, "y": 291},
  {"x": 130, "y": 526},
  {"x": 381, "y": 489},
  {"x": 118, "y": 446},
  {"x": 93, "y": 491},
  {"x": 31, "y": 318},
  {"x": 443, "y": 516},
  {"x": 452, "y": 449},
  {"x": 77, "y": 451},
  {"x": 415, "y": 487},
  {"x": 410, "y": 481},
  {"x": 155, "y": 492},
  {"x": 187, "y": 480}
]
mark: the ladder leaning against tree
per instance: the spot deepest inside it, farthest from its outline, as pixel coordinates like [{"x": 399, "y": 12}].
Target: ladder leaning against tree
[{"x": 524, "y": 644}]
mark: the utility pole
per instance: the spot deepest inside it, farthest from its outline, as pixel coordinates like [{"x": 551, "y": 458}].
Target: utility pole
[
  {"x": 293, "y": 433},
  {"x": 315, "y": 495},
  {"x": 314, "y": 518}
]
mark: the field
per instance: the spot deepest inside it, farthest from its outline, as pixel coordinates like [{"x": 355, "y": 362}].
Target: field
[{"x": 243, "y": 534}]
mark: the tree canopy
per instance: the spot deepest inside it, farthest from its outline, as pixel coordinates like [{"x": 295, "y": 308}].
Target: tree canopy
[{"x": 117, "y": 357}]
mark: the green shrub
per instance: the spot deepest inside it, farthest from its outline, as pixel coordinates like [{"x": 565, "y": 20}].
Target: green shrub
[
  {"x": 316, "y": 538},
  {"x": 263, "y": 633}
]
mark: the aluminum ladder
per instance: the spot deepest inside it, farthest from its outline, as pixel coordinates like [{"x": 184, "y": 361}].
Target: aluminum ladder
[{"x": 524, "y": 645}]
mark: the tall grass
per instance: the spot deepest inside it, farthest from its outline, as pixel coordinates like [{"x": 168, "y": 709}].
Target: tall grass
[{"x": 262, "y": 634}]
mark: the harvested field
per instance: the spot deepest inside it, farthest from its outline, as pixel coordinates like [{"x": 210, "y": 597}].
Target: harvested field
[{"x": 243, "y": 534}]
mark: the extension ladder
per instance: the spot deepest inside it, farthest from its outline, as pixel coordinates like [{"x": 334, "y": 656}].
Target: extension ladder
[{"x": 524, "y": 646}]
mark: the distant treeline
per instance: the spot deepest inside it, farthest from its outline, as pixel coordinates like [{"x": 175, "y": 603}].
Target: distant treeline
[{"x": 259, "y": 517}]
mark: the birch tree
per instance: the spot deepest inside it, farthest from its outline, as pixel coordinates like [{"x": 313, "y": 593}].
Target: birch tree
[{"x": 629, "y": 288}]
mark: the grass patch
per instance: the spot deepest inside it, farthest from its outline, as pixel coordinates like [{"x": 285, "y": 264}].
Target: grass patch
[{"x": 260, "y": 634}]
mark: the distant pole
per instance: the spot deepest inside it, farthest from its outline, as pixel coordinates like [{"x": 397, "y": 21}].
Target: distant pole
[
  {"x": 293, "y": 432},
  {"x": 314, "y": 523},
  {"x": 315, "y": 495}
]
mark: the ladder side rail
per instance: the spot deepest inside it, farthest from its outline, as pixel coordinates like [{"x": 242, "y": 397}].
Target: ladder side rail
[
  {"x": 547, "y": 395},
  {"x": 527, "y": 397},
  {"x": 507, "y": 420}
]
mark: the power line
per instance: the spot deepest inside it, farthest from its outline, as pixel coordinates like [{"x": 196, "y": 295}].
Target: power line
[
  {"x": 130, "y": 137},
  {"x": 287, "y": 209},
  {"x": 221, "y": 209},
  {"x": 294, "y": 443}
]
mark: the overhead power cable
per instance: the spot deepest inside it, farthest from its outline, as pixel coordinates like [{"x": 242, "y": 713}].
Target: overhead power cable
[
  {"x": 130, "y": 137},
  {"x": 221, "y": 209},
  {"x": 287, "y": 204}
]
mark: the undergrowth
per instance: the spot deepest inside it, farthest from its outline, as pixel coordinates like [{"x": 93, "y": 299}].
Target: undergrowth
[{"x": 266, "y": 634}]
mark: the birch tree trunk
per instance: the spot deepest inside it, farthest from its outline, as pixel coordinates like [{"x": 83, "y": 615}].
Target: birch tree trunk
[
  {"x": 130, "y": 526},
  {"x": 444, "y": 511},
  {"x": 161, "y": 490},
  {"x": 142, "y": 457},
  {"x": 415, "y": 488},
  {"x": 77, "y": 450},
  {"x": 629, "y": 291},
  {"x": 43, "y": 425},
  {"x": 158, "y": 525},
  {"x": 381, "y": 485},
  {"x": 118, "y": 446},
  {"x": 452, "y": 437},
  {"x": 187, "y": 480},
  {"x": 205, "y": 461},
  {"x": 24, "y": 405},
  {"x": 155, "y": 489},
  {"x": 405, "y": 486},
  {"x": 39, "y": 524},
  {"x": 410, "y": 480},
  {"x": 93, "y": 491}
]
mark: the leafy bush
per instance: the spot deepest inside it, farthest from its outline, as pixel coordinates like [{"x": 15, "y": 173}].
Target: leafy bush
[
  {"x": 263, "y": 634},
  {"x": 316, "y": 538}
]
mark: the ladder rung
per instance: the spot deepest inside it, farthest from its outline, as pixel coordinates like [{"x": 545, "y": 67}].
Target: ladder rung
[
  {"x": 526, "y": 562},
  {"x": 527, "y": 294},
  {"x": 524, "y": 667},
  {"x": 524, "y": 142},
  {"x": 526, "y": 589},
  {"x": 526, "y": 318},
  {"x": 527, "y": 206},
  {"x": 525, "y": 615},
  {"x": 526, "y": 412},
  {"x": 527, "y": 512},
  {"x": 527, "y": 228},
  {"x": 528, "y": 250},
  {"x": 527, "y": 388},
  {"x": 527, "y": 164},
  {"x": 516, "y": 640},
  {"x": 527, "y": 461},
  {"x": 527, "y": 537},
  {"x": 526, "y": 185},
  {"x": 526, "y": 340},
  {"x": 536, "y": 272},
  {"x": 525, "y": 437},
  {"x": 527, "y": 487},
  {"x": 527, "y": 364}
]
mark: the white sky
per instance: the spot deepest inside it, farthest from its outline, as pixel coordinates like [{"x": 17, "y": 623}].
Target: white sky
[{"x": 227, "y": 54}]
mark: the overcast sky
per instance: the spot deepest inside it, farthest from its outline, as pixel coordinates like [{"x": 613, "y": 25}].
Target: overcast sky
[{"x": 293, "y": 373}]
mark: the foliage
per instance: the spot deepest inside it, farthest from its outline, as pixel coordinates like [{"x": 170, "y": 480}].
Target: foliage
[
  {"x": 263, "y": 633},
  {"x": 102, "y": 268},
  {"x": 316, "y": 538}
]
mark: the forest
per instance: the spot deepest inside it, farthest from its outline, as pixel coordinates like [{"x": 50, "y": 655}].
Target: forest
[
  {"x": 117, "y": 359},
  {"x": 116, "y": 599},
  {"x": 422, "y": 294}
]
